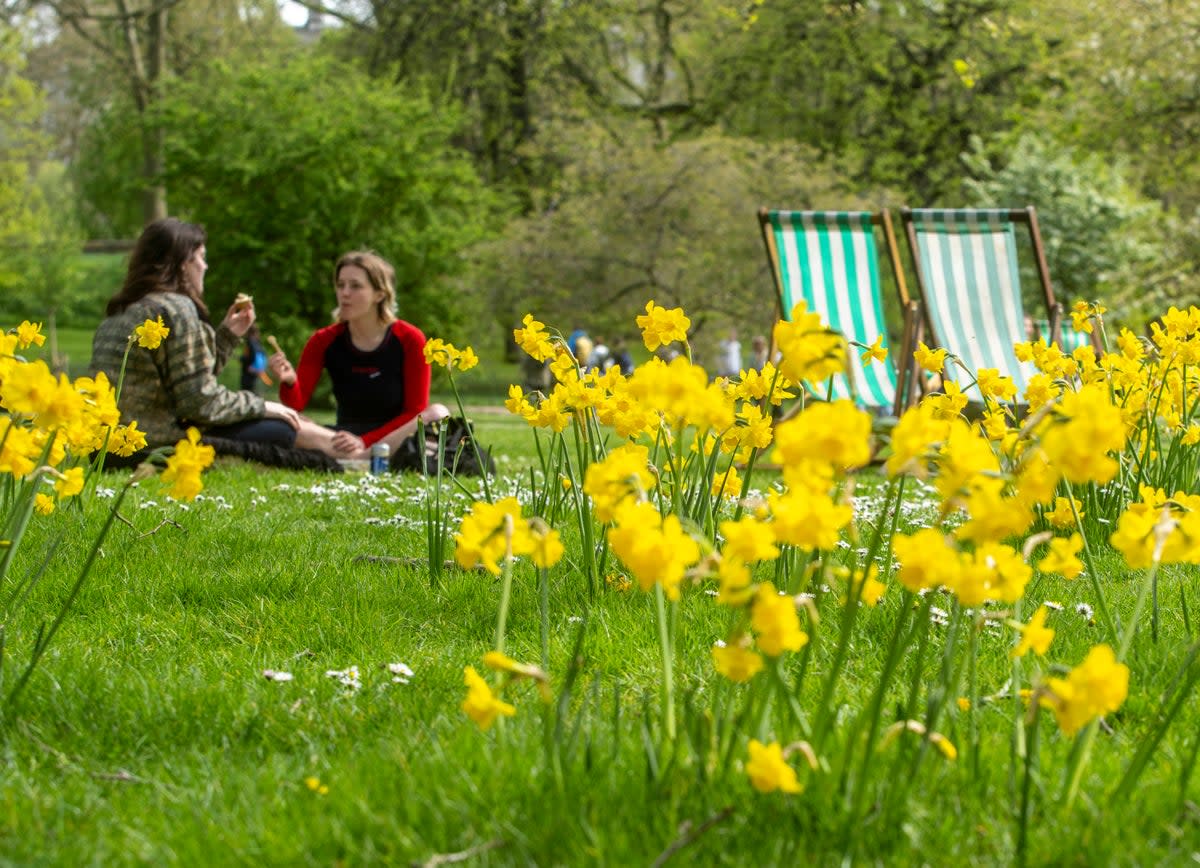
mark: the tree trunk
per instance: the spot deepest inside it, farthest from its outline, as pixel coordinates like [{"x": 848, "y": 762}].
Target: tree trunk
[{"x": 154, "y": 197}]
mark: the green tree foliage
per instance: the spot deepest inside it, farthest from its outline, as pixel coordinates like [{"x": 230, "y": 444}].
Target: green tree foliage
[
  {"x": 635, "y": 220},
  {"x": 892, "y": 89},
  {"x": 1127, "y": 88},
  {"x": 108, "y": 175},
  {"x": 517, "y": 66},
  {"x": 1127, "y": 82},
  {"x": 288, "y": 166},
  {"x": 492, "y": 58},
  {"x": 36, "y": 232},
  {"x": 1100, "y": 236},
  {"x": 114, "y": 60},
  {"x": 21, "y": 105}
]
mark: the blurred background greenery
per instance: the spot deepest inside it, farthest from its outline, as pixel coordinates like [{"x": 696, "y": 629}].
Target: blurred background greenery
[{"x": 576, "y": 160}]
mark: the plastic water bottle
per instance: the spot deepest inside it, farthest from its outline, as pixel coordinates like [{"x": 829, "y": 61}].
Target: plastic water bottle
[{"x": 380, "y": 454}]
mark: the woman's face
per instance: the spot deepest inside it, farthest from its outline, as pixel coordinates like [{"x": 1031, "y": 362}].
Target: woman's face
[
  {"x": 355, "y": 296},
  {"x": 194, "y": 268}
]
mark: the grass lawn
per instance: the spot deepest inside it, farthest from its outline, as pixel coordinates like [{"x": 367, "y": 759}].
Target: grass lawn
[{"x": 150, "y": 734}]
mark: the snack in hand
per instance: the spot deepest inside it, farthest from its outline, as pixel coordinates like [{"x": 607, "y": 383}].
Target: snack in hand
[
  {"x": 274, "y": 343},
  {"x": 242, "y": 300}
]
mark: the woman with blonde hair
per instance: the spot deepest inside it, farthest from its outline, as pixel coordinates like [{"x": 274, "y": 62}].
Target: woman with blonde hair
[{"x": 376, "y": 361}]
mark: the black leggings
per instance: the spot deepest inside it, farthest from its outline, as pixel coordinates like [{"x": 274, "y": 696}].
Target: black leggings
[
  {"x": 273, "y": 431},
  {"x": 258, "y": 430}
]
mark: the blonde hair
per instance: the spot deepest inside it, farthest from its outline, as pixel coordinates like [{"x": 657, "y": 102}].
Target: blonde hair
[{"x": 380, "y": 275}]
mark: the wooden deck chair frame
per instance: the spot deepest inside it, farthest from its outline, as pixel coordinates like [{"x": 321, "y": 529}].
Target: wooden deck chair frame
[
  {"x": 843, "y": 304},
  {"x": 979, "y": 329}
]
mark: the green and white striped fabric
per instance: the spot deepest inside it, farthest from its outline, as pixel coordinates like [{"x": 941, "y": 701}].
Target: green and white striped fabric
[
  {"x": 1070, "y": 341},
  {"x": 972, "y": 287},
  {"x": 829, "y": 259}
]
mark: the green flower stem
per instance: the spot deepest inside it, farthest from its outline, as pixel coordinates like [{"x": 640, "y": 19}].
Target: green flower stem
[
  {"x": 1031, "y": 729},
  {"x": 737, "y": 515},
  {"x": 789, "y": 694},
  {"x": 973, "y": 699},
  {"x": 677, "y": 473},
  {"x": 946, "y": 685},
  {"x": 23, "y": 509},
  {"x": 487, "y": 485},
  {"x": 1106, "y": 617},
  {"x": 901, "y": 639},
  {"x": 505, "y": 585},
  {"x": 849, "y": 614},
  {"x": 43, "y": 640},
  {"x": 664, "y": 639},
  {"x": 741, "y": 503},
  {"x": 1143, "y": 594},
  {"x": 1075, "y": 765},
  {"x": 583, "y": 514},
  {"x": 544, "y": 614},
  {"x": 121, "y": 373},
  {"x": 435, "y": 519},
  {"x": 1018, "y": 747},
  {"x": 1185, "y": 678}
]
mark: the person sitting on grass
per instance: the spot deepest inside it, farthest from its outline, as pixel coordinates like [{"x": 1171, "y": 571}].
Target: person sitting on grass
[
  {"x": 376, "y": 362},
  {"x": 174, "y": 386}
]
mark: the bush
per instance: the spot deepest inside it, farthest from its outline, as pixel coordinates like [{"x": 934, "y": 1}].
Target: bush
[
  {"x": 1099, "y": 234},
  {"x": 289, "y": 166}
]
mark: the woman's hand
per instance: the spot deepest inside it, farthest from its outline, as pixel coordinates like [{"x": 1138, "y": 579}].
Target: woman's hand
[
  {"x": 348, "y": 444},
  {"x": 275, "y": 410},
  {"x": 239, "y": 318},
  {"x": 279, "y": 365}
]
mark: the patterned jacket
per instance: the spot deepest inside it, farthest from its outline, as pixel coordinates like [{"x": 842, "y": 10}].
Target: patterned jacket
[{"x": 168, "y": 388}]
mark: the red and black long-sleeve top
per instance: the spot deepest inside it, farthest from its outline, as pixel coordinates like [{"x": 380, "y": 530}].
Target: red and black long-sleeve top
[{"x": 376, "y": 390}]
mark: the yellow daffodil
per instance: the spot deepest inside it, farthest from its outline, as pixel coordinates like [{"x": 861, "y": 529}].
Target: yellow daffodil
[
  {"x": 1063, "y": 557},
  {"x": 930, "y": 360},
  {"x": 1095, "y": 687},
  {"x": 748, "y": 540},
  {"x": 29, "y": 333},
  {"x": 655, "y": 548},
  {"x": 1035, "y": 636},
  {"x": 775, "y": 622},
  {"x": 69, "y": 483},
  {"x": 768, "y": 770},
  {"x": 1062, "y": 516},
  {"x": 736, "y": 663},
  {"x": 151, "y": 333},
  {"x": 661, "y": 326},
  {"x": 876, "y": 352},
  {"x": 534, "y": 339},
  {"x": 481, "y": 705},
  {"x": 810, "y": 350},
  {"x": 184, "y": 467}
]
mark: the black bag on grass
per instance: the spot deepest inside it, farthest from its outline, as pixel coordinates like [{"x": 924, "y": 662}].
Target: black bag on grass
[{"x": 457, "y": 451}]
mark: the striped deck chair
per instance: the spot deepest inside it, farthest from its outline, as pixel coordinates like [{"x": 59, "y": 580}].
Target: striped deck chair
[
  {"x": 830, "y": 259},
  {"x": 967, "y": 271}
]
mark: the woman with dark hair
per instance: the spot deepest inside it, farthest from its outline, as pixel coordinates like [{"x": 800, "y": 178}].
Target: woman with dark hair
[
  {"x": 375, "y": 360},
  {"x": 170, "y": 388}
]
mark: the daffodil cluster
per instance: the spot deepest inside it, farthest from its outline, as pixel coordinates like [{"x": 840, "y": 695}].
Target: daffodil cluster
[
  {"x": 438, "y": 352},
  {"x": 661, "y": 326},
  {"x": 1095, "y": 687},
  {"x": 493, "y": 533},
  {"x": 483, "y": 705},
  {"x": 51, "y": 421},
  {"x": 185, "y": 465}
]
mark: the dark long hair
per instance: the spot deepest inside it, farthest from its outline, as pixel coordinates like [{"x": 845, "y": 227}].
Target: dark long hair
[{"x": 156, "y": 265}]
